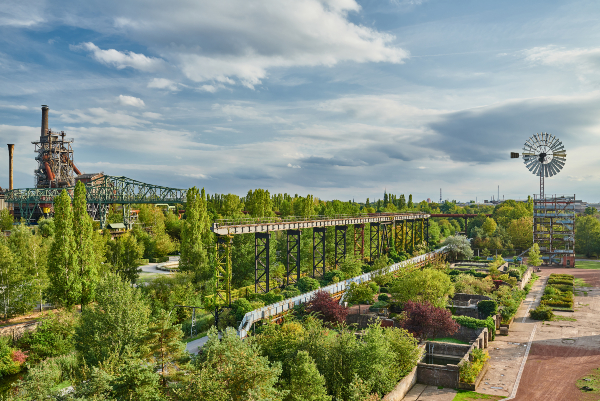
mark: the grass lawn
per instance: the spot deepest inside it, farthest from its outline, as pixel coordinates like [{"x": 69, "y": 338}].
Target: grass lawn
[
  {"x": 587, "y": 264},
  {"x": 449, "y": 340},
  {"x": 591, "y": 381},
  {"x": 465, "y": 395}
]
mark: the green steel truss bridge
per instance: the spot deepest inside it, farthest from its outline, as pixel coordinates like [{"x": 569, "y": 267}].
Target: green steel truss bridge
[{"x": 102, "y": 191}]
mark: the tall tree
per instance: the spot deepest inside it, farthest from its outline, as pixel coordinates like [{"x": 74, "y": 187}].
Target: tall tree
[
  {"x": 410, "y": 202},
  {"x": 164, "y": 343},
  {"x": 194, "y": 257},
  {"x": 306, "y": 383},
  {"x": 534, "y": 257},
  {"x": 65, "y": 284},
  {"x": 85, "y": 256}
]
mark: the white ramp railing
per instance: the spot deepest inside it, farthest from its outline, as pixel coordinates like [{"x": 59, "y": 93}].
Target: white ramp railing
[{"x": 282, "y": 306}]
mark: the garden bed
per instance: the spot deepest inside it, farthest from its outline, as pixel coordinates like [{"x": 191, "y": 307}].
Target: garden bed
[
  {"x": 558, "y": 293},
  {"x": 473, "y": 386}
]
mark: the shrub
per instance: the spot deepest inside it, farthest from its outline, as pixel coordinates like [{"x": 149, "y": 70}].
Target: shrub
[
  {"x": 473, "y": 323},
  {"x": 307, "y": 284},
  {"x": 359, "y": 294},
  {"x": 427, "y": 321},
  {"x": 374, "y": 287},
  {"x": 334, "y": 276},
  {"x": 383, "y": 297},
  {"x": 487, "y": 308},
  {"x": 271, "y": 298},
  {"x": 426, "y": 285},
  {"x": 378, "y": 305},
  {"x": 515, "y": 273},
  {"x": 384, "y": 290},
  {"x": 351, "y": 267},
  {"x": 290, "y": 291},
  {"x": 10, "y": 359},
  {"x": 53, "y": 336},
  {"x": 327, "y": 308},
  {"x": 542, "y": 312},
  {"x": 470, "y": 369}
]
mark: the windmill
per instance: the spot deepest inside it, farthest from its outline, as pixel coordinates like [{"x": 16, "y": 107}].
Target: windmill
[
  {"x": 544, "y": 155},
  {"x": 553, "y": 217}
]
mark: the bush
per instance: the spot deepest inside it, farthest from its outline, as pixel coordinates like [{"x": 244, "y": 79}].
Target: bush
[
  {"x": 359, "y": 294},
  {"x": 334, "y": 276},
  {"x": 307, "y": 284},
  {"x": 515, "y": 273},
  {"x": 378, "y": 305},
  {"x": 53, "y": 337},
  {"x": 426, "y": 285},
  {"x": 427, "y": 321},
  {"x": 374, "y": 287},
  {"x": 473, "y": 323},
  {"x": 11, "y": 359},
  {"x": 290, "y": 291},
  {"x": 327, "y": 308},
  {"x": 384, "y": 290},
  {"x": 470, "y": 369},
  {"x": 542, "y": 312},
  {"x": 487, "y": 308},
  {"x": 383, "y": 297}
]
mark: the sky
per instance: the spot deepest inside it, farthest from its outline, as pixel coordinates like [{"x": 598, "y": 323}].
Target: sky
[{"x": 342, "y": 99}]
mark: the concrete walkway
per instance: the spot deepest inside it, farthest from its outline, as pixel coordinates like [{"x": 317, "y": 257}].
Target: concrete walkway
[{"x": 194, "y": 346}]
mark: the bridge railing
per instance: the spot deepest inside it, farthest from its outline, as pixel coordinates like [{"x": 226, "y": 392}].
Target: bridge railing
[
  {"x": 283, "y": 306},
  {"x": 292, "y": 219}
]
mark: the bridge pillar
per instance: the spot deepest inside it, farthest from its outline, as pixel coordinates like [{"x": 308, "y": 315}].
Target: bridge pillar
[
  {"x": 466, "y": 225},
  {"x": 385, "y": 238},
  {"x": 374, "y": 241},
  {"x": 412, "y": 236},
  {"x": 293, "y": 256},
  {"x": 427, "y": 232},
  {"x": 340, "y": 244},
  {"x": 127, "y": 215},
  {"x": 319, "y": 251},
  {"x": 359, "y": 240},
  {"x": 262, "y": 262},
  {"x": 223, "y": 269}
]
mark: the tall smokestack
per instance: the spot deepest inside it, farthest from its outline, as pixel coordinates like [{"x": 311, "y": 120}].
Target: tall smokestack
[
  {"x": 11, "y": 149},
  {"x": 44, "y": 119}
]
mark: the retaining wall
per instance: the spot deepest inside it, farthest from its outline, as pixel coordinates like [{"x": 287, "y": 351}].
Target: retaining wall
[{"x": 16, "y": 331}]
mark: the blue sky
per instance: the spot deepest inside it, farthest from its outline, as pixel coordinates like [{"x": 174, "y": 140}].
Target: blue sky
[{"x": 338, "y": 98}]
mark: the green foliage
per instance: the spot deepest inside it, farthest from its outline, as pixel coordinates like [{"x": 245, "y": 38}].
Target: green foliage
[
  {"x": 470, "y": 369},
  {"x": 124, "y": 255},
  {"x": 383, "y": 297},
  {"x": 473, "y": 323},
  {"x": 194, "y": 236},
  {"x": 534, "y": 258},
  {"x": 118, "y": 321},
  {"x": 271, "y": 298},
  {"x": 6, "y": 220},
  {"x": 166, "y": 291},
  {"x": 163, "y": 343},
  {"x": 587, "y": 235},
  {"x": 52, "y": 337},
  {"x": 487, "y": 308},
  {"x": 559, "y": 291},
  {"x": 65, "y": 284},
  {"x": 11, "y": 359},
  {"x": 542, "y": 312},
  {"x": 307, "y": 284},
  {"x": 379, "y": 305},
  {"x": 46, "y": 227},
  {"x": 290, "y": 292},
  {"x": 43, "y": 380},
  {"x": 351, "y": 267},
  {"x": 232, "y": 369},
  {"x": 259, "y": 203},
  {"x": 359, "y": 294},
  {"x": 426, "y": 285},
  {"x": 468, "y": 283},
  {"x": 84, "y": 253},
  {"x": 306, "y": 383},
  {"x": 458, "y": 247}
]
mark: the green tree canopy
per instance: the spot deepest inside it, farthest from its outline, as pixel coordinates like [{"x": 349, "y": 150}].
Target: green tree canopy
[{"x": 427, "y": 285}]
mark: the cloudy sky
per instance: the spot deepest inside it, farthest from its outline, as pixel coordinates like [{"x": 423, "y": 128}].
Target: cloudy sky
[{"x": 338, "y": 98}]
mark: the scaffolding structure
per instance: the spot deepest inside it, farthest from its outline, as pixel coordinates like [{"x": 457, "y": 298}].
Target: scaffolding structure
[{"x": 554, "y": 228}]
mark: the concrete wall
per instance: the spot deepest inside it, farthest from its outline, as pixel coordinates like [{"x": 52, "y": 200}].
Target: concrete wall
[
  {"x": 526, "y": 277},
  {"x": 16, "y": 331},
  {"x": 404, "y": 385},
  {"x": 362, "y": 321},
  {"x": 449, "y": 349},
  {"x": 435, "y": 375}
]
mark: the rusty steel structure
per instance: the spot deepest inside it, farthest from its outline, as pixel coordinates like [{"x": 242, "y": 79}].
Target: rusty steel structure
[{"x": 56, "y": 168}]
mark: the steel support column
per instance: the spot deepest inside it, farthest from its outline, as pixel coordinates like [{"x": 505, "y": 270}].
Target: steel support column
[
  {"x": 223, "y": 269},
  {"x": 293, "y": 256},
  {"x": 359, "y": 240},
  {"x": 374, "y": 241},
  {"x": 385, "y": 237},
  {"x": 340, "y": 244},
  {"x": 261, "y": 262},
  {"x": 427, "y": 231},
  {"x": 412, "y": 236},
  {"x": 319, "y": 251}
]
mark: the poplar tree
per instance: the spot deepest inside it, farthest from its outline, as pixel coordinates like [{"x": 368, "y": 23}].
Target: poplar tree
[
  {"x": 85, "y": 257},
  {"x": 65, "y": 284},
  {"x": 194, "y": 257},
  {"x": 410, "y": 202}
]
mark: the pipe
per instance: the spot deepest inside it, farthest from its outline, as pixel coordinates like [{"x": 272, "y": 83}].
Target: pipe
[
  {"x": 44, "y": 119},
  {"x": 71, "y": 164},
  {"x": 49, "y": 172},
  {"x": 11, "y": 149}
]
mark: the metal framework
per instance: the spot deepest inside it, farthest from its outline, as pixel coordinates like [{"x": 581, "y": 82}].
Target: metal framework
[
  {"x": 385, "y": 231},
  {"x": 340, "y": 245},
  {"x": 293, "y": 256},
  {"x": 102, "y": 191},
  {"x": 262, "y": 262},
  {"x": 373, "y": 241},
  {"x": 223, "y": 269},
  {"x": 359, "y": 240},
  {"x": 319, "y": 251},
  {"x": 553, "y": 228}
]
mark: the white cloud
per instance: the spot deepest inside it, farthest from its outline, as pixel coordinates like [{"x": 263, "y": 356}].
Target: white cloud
[
  {"x": 20, "y": 14},
  {"x": 98, "y": 115},
  {"x": 225, "y": 129},
  {"x": 163, "y": 83},
  {"x": 210, "y": 88},
  {"x": 244, "y": 112},
  {"x": 553, "y": 55},
  {"x": 121, "y": 60},
  {"x": 293, "y": 165},
  {"x": 13, "y": 106},
  {"x": 152, "y": 116},
  {"x": 130, "y": 101}
]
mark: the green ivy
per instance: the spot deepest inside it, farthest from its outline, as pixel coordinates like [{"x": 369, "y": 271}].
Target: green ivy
[{"x": 473, "y": 323}]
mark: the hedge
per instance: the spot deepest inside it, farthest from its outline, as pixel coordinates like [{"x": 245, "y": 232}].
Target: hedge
[
  {"x": 487, "y": 308},
  {"x": 473, "y": 323}
]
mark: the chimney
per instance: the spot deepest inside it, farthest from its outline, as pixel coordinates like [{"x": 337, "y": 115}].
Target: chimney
[
  {"x": 11, "y": 148},
  {"x": 44, "y": 119}
]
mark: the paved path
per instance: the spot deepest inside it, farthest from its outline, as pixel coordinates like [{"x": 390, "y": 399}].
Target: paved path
[
  {"x": 151, "y": 268},
  {"x": 194, "y": 346}
]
